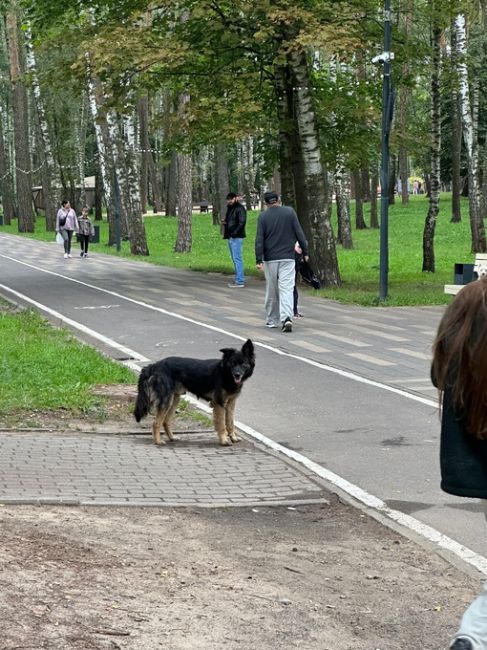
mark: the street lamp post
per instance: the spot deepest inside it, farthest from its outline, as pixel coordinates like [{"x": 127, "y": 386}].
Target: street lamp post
[{"x": 387, "y": 107}]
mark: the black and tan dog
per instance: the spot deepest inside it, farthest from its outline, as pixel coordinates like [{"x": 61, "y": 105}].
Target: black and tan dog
[{"x": 219, "y": 381}]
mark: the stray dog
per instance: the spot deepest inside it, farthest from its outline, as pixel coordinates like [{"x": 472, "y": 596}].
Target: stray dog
[{"x": 219, "y": 381}]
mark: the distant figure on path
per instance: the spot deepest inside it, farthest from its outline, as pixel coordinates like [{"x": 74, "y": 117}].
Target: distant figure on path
[
  {"x": 278, "y": 229},
  {"x": 234, "y": 231},
  {"x": 86, "y": 230},
  {"x": 66, "y": 224},
  {"x": 459, "y": 371}
]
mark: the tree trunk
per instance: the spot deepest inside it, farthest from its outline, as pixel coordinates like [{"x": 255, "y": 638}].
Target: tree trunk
[
  {"x": 469, "y": 121},
  {"x": 222, "y": 181},
  {"x": 287, "y": 130},
  {"x": 172, "y": 186},
  {"x": 359, "y": 206},
  {"x": 392, "y": 179},
  {"x": 105, "y": 160},
  {"x": 49, "y": 177},
  {"x": 135, "y": 223},
  {"x": 98, "y": 195},
  {"x": 5, "y": 178},
  {"x": 21, "y": 127},
  {"x": 434, "y": 197},
  {"x": 155, "y": 184},
  {"x": 316, "y": 222},
  {"x": 143, "y": 113},
  {"x": 365, "y": 184},
  {"x": 456, "y": 123},
  {"x": 184, "y": 240},
  {"x": 343, "y": 207}
]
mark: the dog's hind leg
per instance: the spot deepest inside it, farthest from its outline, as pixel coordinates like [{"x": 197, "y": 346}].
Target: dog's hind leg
[
  {"x": 157, "y": 424},
  {"x": 229, "y": 423},
  {"x": 219, "y": 424},
  {"x": 170, "y": 415}
]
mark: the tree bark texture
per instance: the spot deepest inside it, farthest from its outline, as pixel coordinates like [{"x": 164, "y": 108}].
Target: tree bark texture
[
  {"x": 50, "y": 179},
  {"x": 342, "y": 194},
  {"x": 456, "y": 123},
  {"x": 469, "y": 121},
  {"x": 222, "y": 180},
  {"x": 172, "y": 186},
  {"x": 434, "y": 197},
  {"x": 287, "y": 132},
  {"x": 316, "y": 223},
  {"x": 359, "y": 206},
  {"x": 135, "y": 223},
  {"x": 21, "y": 127},
  {"x": 184, "y": 240},
  {"x": 143, "y": 115},
  {"x": 5, "y": 178}
]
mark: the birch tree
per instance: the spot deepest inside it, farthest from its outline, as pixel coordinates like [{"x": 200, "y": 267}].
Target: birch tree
[
  {"x": 469, "y": 111},
  {"x": 50, "y": 178},
  {"x": 430, "y": 223}
]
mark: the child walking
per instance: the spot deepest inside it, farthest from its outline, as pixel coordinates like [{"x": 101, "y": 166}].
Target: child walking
[
  {"x": 459, "y": 371},
  {"x": 86, "y": 230}
]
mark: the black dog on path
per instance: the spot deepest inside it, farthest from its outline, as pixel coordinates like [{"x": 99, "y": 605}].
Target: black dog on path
[{"x": 219, "y": 381}]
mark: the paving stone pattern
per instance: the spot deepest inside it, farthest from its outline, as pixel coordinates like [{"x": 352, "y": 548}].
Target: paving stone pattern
[{"x": 95, "y": 469}]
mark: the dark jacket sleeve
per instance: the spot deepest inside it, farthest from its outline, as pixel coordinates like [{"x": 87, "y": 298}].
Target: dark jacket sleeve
[
  {"x": 299, "y": 233},
  {"x": 259, "y": 242},
  {"x": 240, "y": 220}
]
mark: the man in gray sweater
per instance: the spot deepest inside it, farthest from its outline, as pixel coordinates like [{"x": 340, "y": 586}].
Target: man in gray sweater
[{"x": 278, "y": 229}]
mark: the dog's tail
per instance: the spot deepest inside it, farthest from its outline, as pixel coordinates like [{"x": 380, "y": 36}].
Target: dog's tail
[{"x": 143, "y": 401}]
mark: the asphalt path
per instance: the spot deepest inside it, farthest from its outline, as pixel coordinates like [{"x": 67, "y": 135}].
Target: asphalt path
[{"x": 348, "y": 388}]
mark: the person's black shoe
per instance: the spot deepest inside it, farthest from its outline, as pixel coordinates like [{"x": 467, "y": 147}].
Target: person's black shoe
[
  {"x": 287, "y": 325},
  {"x": 461, "y": 644}
]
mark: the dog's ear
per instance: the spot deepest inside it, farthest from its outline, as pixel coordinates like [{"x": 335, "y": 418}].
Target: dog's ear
[
  {"x": 227, "y": 351},
  {"x": 248, "y": 349}
]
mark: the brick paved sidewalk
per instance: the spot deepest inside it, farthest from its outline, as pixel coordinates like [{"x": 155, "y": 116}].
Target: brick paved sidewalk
[{"x": 99, "y": 469}]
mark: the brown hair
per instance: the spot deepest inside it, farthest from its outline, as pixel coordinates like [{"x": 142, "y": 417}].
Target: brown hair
[{"x": 460, "y": 355}]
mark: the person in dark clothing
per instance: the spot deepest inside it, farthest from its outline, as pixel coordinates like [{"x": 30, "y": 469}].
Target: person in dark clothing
[
  {"x": 278, "y": 229},
  {"x": 86, "y": 230},
  {"x": 459, "y": 371},
  {"x": 234, "y": 231}
]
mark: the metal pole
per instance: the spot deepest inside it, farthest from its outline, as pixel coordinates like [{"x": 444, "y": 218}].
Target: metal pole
[{"x": 384, "y": 170}]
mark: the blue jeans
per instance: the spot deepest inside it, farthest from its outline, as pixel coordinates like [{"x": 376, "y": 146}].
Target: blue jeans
[{"x": 235, "y": 244}]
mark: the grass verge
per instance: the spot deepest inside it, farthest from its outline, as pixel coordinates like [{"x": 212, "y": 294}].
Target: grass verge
[{"x": 43, "y": 368}]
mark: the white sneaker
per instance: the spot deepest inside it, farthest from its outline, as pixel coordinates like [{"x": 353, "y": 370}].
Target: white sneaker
[
  {"x": 69, "y": 255},
  {"x": 65, "y": 256}
]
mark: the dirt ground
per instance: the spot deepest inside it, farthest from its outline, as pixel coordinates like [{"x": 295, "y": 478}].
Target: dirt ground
[{"x": 321, "y": 577}]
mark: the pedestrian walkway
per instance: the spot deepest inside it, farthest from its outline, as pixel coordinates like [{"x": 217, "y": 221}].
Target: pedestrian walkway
[
  {"x": 389, "y": 344},
  {"x": 126, "y": 470}
]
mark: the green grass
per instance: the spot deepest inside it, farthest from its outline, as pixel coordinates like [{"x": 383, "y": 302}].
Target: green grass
[
  {"x": 359, "y": 267},
  {"x": 45, "y": 368}
]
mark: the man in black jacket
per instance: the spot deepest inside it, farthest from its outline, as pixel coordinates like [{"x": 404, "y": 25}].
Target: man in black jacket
[
  {"x": 234, "y": 231},
  {"x": 278, "y": 230}
]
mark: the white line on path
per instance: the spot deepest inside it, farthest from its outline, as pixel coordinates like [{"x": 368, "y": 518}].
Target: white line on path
[
  {"x": 135, "y": 356},
  {"x": 442, "y": 541},
  {"x": 337, "y": 371}
]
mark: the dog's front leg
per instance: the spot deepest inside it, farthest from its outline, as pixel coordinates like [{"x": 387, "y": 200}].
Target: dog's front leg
[
  {"x": 156, "y": 426},
  {"x": 169, "y": 416},
  {"x": 219, "y": 424},
  {"x": 229, "y": 422}
]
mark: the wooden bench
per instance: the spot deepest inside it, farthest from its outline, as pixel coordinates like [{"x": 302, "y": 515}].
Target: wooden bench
[{"x": 480, "y": 268}]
